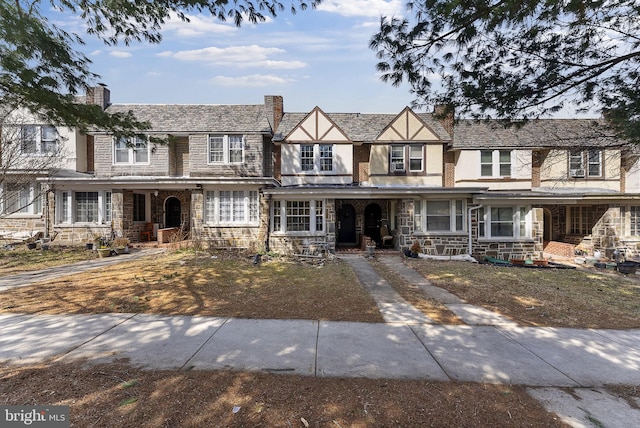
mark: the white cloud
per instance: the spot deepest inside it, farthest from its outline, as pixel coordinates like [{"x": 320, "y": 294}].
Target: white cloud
[
  {"x": 237, "y": 56},
  {"x": 198, "y": 25},
  {"x": 254, "y": 80},
  {"x": 121, "y": 54},
  {"x": 363, "y": 8}
]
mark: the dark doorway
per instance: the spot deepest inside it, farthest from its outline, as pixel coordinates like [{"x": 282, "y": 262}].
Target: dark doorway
[
  {"x": 372, "y": 217},
  {"x": 547, "y": 234},
  {"x": 173, "y": 212},
  {"x": 347, "y": 224}
]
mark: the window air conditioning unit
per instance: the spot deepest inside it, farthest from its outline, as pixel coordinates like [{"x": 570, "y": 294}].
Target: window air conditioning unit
[{"x": 577, "y": 172}]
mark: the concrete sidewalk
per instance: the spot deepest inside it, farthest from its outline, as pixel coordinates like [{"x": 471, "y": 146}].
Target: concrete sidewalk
[{"x": 503, "y": 354}]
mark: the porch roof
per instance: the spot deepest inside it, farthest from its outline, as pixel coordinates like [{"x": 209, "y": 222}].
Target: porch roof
[
  {"x": 557, "y": 197},
  {"x": 368, "y": 192},
  {"x": 158, "y": 183}
]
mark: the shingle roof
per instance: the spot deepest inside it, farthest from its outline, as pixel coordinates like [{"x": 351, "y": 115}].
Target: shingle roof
[
  {"x": 193, "y": 118},
  {"x": 541, "y": 133},
  {"x": 360, "y": 127}
]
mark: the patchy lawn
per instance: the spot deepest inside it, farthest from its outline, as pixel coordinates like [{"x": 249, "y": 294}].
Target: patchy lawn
[
  {"x": 181, "y": 283},
  {"x": 21, "y": 260},
  {"x": 117, "y": 395},
  {"x": 541, "y": 297}
]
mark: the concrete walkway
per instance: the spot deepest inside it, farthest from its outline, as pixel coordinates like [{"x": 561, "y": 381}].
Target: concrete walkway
[
  {"x": 28, "y": 278},
  {"x": 408, "y": 346}
]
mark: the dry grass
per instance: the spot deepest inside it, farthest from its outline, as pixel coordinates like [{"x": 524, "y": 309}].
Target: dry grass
[
  {"x": 541, "y": 297},
  {"x": 117, "y": 395},
  {"x": 181, "y": 283},
  {"x": 20, "y": 260}
]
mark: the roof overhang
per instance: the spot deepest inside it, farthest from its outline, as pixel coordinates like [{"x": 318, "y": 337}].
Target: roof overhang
[
  {"x": 369, "y": 192},
  {"x": 557, "y": 198},
  {"x": 157, "y": 183}
]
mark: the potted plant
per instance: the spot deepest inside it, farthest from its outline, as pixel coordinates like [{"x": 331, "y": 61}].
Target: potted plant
[
  {"x": 415, "y": 249},
  {"x": 121, "y": 245}
]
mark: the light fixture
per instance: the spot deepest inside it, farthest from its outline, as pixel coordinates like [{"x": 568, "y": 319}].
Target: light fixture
[{"x": 155, "y": 193}]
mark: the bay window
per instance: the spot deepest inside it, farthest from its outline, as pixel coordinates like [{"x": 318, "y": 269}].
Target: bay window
[
  {"x": 21, "y": 198},
  {"x": 439, "y": 215},
  {"x": 504, "y": 222},
  {"x": 232, "y": 207},
  {"x": 298, "y": 216},
  {"x": 83, "y": 207}
]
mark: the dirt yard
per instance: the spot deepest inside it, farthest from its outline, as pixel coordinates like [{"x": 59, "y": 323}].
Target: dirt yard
[{"x": 231, "y": 285}]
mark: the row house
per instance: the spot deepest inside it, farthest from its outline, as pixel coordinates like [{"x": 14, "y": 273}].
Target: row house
[{"x": 258, "y": 177}]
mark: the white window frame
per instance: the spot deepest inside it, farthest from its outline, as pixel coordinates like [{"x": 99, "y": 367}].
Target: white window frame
[
  {"x": 521, "y": 224},
  {"x": 243, "y": 207},
  {"x": 229, "y": 143},
  {"x": 315, "y": 210},
  {"x": 496, "y": 164},
  {"x": 317, "y": 158},
  {"x": 581, "y": 163},
  {"x": 456, "y": 214},
  {"x": 66, "y": 209},
  {"x": 631, "y": 218},
  {"x": 137, "y": 152},
  {"x": 29, "y": 199},
  {"x": 43, "y": 144},
  {"x": 401, "y": 157}
]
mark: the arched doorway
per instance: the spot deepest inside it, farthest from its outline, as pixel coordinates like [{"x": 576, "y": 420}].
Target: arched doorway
[
  {"x": 372, "y": 217},
  {"x": 173, "y": 212},
  {"x": 347, "y": 224}
]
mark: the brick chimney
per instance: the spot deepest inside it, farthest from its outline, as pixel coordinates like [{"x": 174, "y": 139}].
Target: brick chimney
[
  {"x": 445, "y": 114},
  {"x": 99, "y": 95},
  {"x": 274, "y": 106}
]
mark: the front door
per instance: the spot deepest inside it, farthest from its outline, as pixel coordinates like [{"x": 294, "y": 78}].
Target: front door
[
  {"x": 173, "y": 212},
  {"x": 372, "y": 217},
  {"x": 347, "y": 224}
]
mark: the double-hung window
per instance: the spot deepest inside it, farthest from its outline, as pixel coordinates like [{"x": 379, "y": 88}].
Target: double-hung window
[
  {"x": 38, "y": 140},
  {"x": 231, "y": 207},
  {"x": 585, "y": 163},
  {"x": 298, "y": 216},
  {"x": 495, "y": 163},
  {"x": 83, "y": 207},
  {"x": 226, "y": 149},
  {"x": 20, "y": 198},
  {"x": 403, "y": 158},
  {"x": 439, "y": 216},
  {"x": 504, "y": 222},
  {"x": 130, "y": 151},
  {"x": 315, "y": 158}
]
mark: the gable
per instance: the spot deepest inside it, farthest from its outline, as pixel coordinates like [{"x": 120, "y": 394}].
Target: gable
[
  {"x": 317, "y": 126},
  {"x": 407, "y": 126}
]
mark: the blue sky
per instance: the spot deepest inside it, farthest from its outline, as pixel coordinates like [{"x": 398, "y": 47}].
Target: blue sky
[{"x": 314, "y": 58}]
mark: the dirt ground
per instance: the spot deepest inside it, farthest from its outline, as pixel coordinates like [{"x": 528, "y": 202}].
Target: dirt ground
[
  {"x": 231, "y": 285},
  {"x": 117, "y": 395}
]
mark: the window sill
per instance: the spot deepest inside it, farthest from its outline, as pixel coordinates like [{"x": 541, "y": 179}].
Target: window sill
[
  {"x": 22, "y": 216},
  {"x": 505, "y": 239}
]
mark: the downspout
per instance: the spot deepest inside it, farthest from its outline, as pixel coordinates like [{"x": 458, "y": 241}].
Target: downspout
[{"x": 470, "y": 209}]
